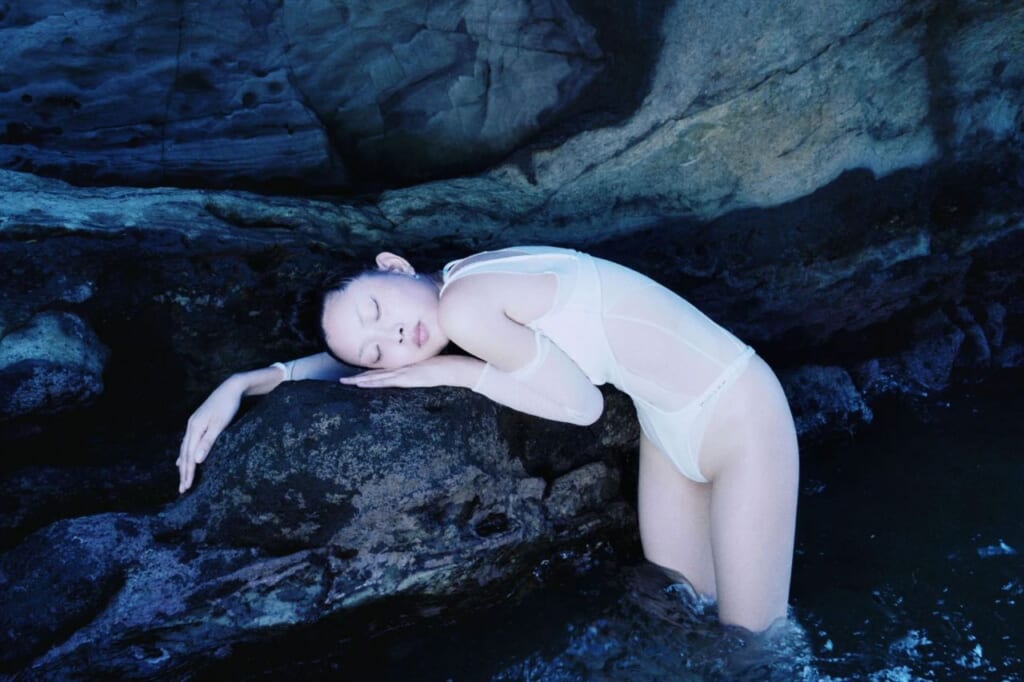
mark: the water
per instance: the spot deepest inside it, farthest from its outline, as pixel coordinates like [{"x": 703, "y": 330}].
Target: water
[
  {"x": 909, "y": 566},
  {"x": 911, "y": 561}
]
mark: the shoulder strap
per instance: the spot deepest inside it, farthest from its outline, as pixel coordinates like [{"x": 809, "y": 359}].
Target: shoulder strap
[{"x": 515, "y": 259}]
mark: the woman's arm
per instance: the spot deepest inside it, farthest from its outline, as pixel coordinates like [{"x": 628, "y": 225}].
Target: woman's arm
[
  {"x": 217, "y": 411},
  {"x": 322, "y": 367},
  {"x": 550, "y": 385}
]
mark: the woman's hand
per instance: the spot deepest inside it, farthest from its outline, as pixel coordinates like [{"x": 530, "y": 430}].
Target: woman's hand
[
  {"x": 440, "y": 370},
  {"x": 205, "y": 424}
]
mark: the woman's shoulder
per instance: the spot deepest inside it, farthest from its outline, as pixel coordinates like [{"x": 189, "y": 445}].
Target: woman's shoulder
[{"x": 521, "y": 297}]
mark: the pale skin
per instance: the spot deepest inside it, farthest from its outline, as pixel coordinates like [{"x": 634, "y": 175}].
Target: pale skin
[{"x": 732, "y": 538}]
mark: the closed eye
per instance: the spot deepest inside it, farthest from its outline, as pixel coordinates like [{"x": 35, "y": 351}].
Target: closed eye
[{"x": 375, "y": 303}]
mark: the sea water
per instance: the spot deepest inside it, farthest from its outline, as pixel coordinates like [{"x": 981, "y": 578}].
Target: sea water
[{"x": 909, "y": 566}]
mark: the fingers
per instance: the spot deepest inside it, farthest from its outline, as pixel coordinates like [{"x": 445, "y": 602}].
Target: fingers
[
  {"x": 190, "y": 472},
  {"x": 184, "y": 465},
  {"x": 377, "y": 378},
  {"x": 184, "y": 460},
  {"x": 355, "y": 379},
  {"x": 194, "y": 448},
  {"x": 180, "y": 463}
]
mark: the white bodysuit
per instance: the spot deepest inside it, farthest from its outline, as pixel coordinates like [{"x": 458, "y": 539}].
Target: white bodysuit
[{"x": 623, "y": 328}]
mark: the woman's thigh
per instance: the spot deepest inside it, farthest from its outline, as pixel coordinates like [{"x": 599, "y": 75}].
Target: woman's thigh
[
  {"x": 753, "y": 516},
  {"x": 675, "y": 519}
]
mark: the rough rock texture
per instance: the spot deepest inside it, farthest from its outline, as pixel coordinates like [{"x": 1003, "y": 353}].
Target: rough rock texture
[
  {"x": 745, "y": 106},
  {"x": 840, "y": 184},
  {"x": 258, "y": 92},
  {"x": 323, "y": 500},
  {"x": 824, "y": 401},
  {"x": 53, "y": 363}
]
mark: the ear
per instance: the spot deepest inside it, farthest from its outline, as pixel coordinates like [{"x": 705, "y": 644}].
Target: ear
[{"x": 394, "y": 263}]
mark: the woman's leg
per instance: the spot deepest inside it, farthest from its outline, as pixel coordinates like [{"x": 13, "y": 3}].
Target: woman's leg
[
  {"x": 675, "y": 519},
  {"x": 753, "y": 517}
]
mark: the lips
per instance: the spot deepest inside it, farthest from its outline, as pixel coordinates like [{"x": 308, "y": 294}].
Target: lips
[{"x": 420, "y": 335}]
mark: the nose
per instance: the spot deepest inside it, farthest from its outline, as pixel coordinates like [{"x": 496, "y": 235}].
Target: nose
[{"x": 392, "y": 334}]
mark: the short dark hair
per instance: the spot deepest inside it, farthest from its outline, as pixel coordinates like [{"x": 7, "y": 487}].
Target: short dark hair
[{"x": 307, "y": 314}]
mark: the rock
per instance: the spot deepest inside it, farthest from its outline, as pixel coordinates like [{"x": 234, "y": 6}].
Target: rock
[
  {"x": 160, "y": 269},
  {"x": 323, "y": 500},
  {"x": 52, "y": 364},
  {"x": 531, "y": 440},
  {"x": 930, "y": 363},
  {"x": 994, "y": 327},
  {"x": 34, "y": 495},
  {"x": 401, "y": 473},
  {"x": 409, "y": 93},
  {"x": 742, "y": 107},
  {"x": 760, "y": 107},
  {"x": 824, "y": 402},
  {"x": 587, "y": 489},
  {"x": 60, "y": 578},
  {"x": 1005, "y": 355},
  {"x": 156, "y": 93},
  {"x": 976, "y": 352},
  {"x": 923, "y": 368},
  {"x": 291, "y": 93}
]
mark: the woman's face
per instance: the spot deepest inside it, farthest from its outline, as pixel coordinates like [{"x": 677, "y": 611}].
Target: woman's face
[{"x": 384, "y": 320}]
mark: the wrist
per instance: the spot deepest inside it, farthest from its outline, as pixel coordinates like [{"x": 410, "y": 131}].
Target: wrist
[
  {"x": 244, "y": 383},
  {"x": 238, "y": 382}
]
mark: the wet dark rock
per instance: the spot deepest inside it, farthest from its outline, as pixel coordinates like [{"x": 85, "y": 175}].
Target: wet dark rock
[
  {"x": 33, "y": 495},
  {"x": 51, "y": 364},
  {"x": 925, "y": 367},
  {"x": 61, "y": 577},
  {"x": 824, "y": 402},
  {"x": 587, "y": 489},
  {"x": 530, "y": 439},
  {"x": 323, "y": 500}
]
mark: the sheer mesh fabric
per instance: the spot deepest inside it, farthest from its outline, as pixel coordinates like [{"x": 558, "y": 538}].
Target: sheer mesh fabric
[
  {"x": 612, "y": 324},
  {"x": 668, "y": 353}
]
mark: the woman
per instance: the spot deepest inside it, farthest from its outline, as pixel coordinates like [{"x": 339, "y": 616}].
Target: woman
[{"x": 718, "y": 451}]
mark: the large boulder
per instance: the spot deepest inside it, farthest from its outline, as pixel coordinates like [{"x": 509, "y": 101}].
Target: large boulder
[
  {"x": 682, "y": 110},
  {"x": 323, "y": 500},
  {"x": 760, "y": 105}
]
